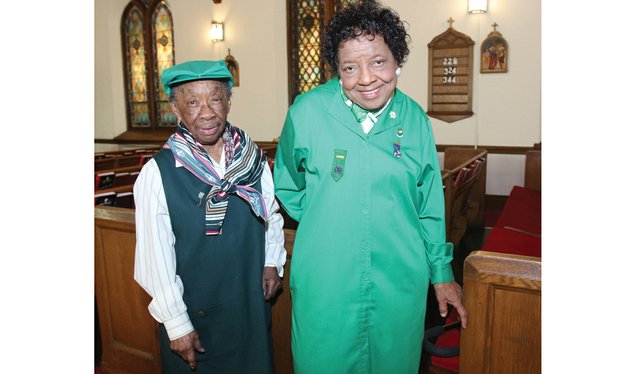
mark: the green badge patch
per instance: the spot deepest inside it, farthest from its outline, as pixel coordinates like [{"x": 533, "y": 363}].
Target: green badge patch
[{"x": 340, "y": 156}]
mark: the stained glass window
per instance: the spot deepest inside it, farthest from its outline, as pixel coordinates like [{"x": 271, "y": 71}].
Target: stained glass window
[
  {"x": 138, "y": 93},
  {"x": 343, "y": 3},
  {"x": 148, "y": 51},
  {"x": 164, "y": 55},
  {"x": 308, "y": 18}
]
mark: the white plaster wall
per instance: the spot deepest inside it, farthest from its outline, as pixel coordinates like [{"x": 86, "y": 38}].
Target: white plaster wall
[
  {"x": 506, "y": 106},
  {"x": 255, "y": 32},
  {"x": 504, "y": 172}
]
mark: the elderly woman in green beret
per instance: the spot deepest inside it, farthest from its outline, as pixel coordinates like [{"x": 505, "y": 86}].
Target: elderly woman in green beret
[
  {"x": 209, "y": 247},
  {"x": 357, "y": 166}
]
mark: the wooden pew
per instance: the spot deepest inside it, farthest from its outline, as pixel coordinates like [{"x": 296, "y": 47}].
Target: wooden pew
[
  {"x": 281, "y": 315},
  {"x": 116, "y": 177},
  {"x": 502, "y": 288},
  {"x": 518, "y": 228},
  {"x": 464, "y": 180},
  {"x": 129, "y": 334},
  {"x": 502, "y": 294},
  {"x": 533, "y": 169},
  {"x": 123, "y": 158},
  {"x": 269, "y": 148},
  {"x": 120, "y": 196}
]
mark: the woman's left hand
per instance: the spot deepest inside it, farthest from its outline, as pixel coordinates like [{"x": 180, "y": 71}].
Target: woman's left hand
[
  {"x": 271, "y": 281},
  {"x": 451, "y": 293}
]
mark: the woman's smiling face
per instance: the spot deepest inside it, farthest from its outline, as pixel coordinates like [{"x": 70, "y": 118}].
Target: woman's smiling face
[
  {"x": 203, "y": 107},
  {"x": 367, "y": 70}
]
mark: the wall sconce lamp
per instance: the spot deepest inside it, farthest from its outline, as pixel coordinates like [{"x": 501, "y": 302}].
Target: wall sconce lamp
[
  {"x": 217, "y": 31},
  {"x": 477, "y": 6}
]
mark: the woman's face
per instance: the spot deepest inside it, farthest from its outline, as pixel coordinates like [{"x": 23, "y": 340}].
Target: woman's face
[
  {"x": 203, "y": 107},
  {"x": 367, "y": 69}
]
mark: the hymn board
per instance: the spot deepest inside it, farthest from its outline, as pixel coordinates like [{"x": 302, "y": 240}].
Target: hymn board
[{"x": 450, "y": 70}]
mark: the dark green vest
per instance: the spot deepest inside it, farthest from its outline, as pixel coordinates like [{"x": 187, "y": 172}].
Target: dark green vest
[{"x": 222, "y": 279}]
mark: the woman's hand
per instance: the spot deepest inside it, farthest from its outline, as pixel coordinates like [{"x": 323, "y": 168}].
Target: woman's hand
[
  {"x": 271, "y": 282},
  {"x": 186, "y": 345},
  {"x": 451, "y": 293}
]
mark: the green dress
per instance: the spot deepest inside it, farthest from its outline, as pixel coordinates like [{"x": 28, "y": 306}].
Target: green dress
[{"x": 371, "y": 232}]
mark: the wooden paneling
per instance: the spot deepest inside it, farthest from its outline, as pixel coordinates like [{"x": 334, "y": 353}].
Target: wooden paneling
[
  {"x": 128, "y": 332},
  {"x": 129, "y": 335},
  {"x": 281, "y": 315},
  {"x": 502, "y": 294}
]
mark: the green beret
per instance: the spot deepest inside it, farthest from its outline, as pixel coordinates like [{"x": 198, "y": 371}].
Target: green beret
[{"x": 193, "y": 71}]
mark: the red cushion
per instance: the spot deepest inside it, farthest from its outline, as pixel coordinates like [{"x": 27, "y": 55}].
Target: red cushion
[{"x": 450, "y": 338}]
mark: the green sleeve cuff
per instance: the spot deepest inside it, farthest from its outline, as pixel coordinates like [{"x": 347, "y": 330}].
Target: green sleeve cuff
[{"x": 441, "y": 274}]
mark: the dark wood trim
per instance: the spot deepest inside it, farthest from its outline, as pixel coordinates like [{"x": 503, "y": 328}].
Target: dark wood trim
[
  {"x": 289, "y": 49},
  {"x": 156, "y": 136},
  {"x": 495, "y": 201},
  {"x": 495, "y": 149},
  {"x": 132, "y": 137},
  {"x": 127, "y": 141}
]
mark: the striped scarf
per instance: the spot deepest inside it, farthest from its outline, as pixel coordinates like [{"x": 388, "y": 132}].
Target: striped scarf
[{"x": 244, "y": 167}]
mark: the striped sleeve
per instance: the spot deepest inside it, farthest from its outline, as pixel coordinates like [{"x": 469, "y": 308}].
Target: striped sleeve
[
  {"x": 155, "y": 261},
  {"x": 275, "y": 254}
]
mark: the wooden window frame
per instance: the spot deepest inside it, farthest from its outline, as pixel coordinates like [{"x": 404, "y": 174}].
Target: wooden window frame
[
  {"x": 154, "y": 132},
  {"x": 329, "y": 8}
]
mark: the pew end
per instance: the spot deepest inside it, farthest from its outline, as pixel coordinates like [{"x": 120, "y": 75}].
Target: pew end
[
  {"x": 464, "y": 181},
  {"x": 533, "y": 169},
  {"x": 129, "y": 342},
  {"x": 502, "y": 294}
]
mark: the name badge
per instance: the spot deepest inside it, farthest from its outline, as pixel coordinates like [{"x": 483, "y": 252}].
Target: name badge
[{"x": 340, "y": 156}]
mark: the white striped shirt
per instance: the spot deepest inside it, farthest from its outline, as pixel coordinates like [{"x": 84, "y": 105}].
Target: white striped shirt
[{"x": 155, "y": 261}]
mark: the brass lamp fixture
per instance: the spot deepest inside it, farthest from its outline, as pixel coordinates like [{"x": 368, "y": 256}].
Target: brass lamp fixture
[
  {"x": 477, "y": 6},
  {"x": 217, "y": 31}
]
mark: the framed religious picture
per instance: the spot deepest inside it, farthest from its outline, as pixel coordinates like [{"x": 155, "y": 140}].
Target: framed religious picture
[
  {"x": 233, "y": 67},
  {"x": 450, "y": 71},
  {"x": 494, "y": 53}
]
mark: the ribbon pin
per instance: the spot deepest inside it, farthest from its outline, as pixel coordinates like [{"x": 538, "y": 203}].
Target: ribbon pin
[{"x": 397, "y": 152}]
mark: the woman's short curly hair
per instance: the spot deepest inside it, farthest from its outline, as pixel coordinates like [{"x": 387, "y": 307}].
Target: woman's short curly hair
[{"x": 366, "y": 18}]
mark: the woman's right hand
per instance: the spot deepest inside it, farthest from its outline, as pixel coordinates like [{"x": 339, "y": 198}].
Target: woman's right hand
[{"x": 186, "y": 346}]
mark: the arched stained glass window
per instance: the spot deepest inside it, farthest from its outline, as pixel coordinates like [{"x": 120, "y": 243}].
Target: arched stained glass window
[
  {"x": 307, "y": 18},
  {"x": 148, "y": 46},
  {"x": 136, "y": 70},
  {"x": 164, "y": 56}
]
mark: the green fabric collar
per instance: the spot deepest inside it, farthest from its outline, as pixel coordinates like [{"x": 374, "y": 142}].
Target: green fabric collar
[{"x": 360, "y": 113}]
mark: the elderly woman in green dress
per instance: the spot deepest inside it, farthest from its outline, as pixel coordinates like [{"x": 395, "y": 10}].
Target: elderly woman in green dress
[{"x": 357, "y": 166}]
